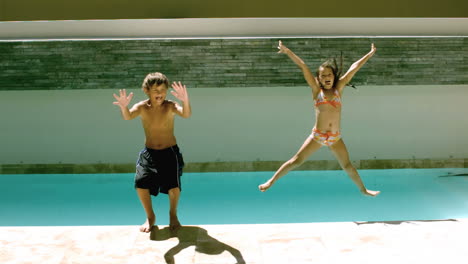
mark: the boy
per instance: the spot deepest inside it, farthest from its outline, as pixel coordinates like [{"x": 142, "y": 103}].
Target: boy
[{"x": 160, "y": 163}]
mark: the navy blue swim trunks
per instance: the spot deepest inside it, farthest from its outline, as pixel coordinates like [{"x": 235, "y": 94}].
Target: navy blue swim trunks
[{"x": 159, "y": 170}]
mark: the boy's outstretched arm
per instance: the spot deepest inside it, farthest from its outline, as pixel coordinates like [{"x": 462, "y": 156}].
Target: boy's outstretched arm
[
  {"x": 308, "y": 76},
  {"x": 122, "y": 101},
  {"x": 180, "y": 92},
  {"x": 346, "y": 78}
]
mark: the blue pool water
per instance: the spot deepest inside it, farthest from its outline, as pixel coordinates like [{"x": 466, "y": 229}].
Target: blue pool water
[{"x": 233, "y": 198}]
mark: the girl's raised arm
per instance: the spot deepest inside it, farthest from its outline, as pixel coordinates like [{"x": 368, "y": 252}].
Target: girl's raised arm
[
  {"x": 308, "y": 76},
  {"x": 346, "y": 78}
]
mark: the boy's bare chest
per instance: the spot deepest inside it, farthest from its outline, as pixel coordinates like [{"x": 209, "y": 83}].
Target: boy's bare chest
[{"x": 157, "y": 117}]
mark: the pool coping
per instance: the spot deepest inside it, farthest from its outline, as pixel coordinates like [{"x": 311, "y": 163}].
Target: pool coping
[{"x": 239, "y": 166}]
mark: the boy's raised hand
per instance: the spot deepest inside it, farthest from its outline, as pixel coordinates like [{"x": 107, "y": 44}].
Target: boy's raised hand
[
  {"x": 123, "y": 100},
  {"x": 180, "y": 91}
]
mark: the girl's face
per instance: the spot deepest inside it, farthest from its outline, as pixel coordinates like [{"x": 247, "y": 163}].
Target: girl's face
[
  {"x": 157, "y": 94},
  {"x": 326, "y": 77}
]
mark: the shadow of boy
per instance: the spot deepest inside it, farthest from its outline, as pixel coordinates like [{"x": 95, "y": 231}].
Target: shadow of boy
[{"x": 193, "y": 236}]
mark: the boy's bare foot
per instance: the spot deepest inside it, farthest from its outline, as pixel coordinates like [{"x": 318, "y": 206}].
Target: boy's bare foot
[
  {"x": 148, "y": 225},
  {"x": 265, "y": 186},
  {"x": 174, "y": 223},
  {"x": 370, "y": 193}
]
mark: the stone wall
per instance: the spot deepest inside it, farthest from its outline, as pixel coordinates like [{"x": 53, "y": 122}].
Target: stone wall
[{"x": 218, "y": 63}]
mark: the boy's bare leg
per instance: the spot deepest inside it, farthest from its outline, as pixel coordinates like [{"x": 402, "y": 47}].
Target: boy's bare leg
[
  {"x": 174, "y": 195},
  {"x": 307, "y": 149},
  {"x": 145, "y": 199},
  {"x": 342, "y": 155}
]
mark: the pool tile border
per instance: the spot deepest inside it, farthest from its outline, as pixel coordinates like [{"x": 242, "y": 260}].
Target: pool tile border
[{"x": 232, "y": 166}]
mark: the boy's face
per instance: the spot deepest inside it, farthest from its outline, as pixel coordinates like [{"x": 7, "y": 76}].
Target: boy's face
[
  {"x": 326, "y": 77},
  {"x": 157, "y": 93}
]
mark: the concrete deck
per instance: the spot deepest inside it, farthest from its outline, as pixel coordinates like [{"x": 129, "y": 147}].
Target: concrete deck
[{"x": 400, "y": 242}]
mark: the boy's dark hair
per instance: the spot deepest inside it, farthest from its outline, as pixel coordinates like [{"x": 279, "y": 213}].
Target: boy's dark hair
[
  {"x": 154, "y": 78},
  {"x": 336, "y": 69}
]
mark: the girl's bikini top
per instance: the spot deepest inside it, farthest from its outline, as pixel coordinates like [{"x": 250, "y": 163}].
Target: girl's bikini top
[{"x": 322, "y": 99}]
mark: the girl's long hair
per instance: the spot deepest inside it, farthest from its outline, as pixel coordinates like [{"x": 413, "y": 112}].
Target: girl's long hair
[{"x": 336, "y": 69}]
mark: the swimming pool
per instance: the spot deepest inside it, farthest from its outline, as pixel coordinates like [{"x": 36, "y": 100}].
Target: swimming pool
[{"x": 233, "y": 198}]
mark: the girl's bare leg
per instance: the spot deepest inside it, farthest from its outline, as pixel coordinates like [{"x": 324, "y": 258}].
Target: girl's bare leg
[
  {"x": 145, "y": 199},
  {"x": 342, "y": 155},
  {"x": 308, "y": 148}
]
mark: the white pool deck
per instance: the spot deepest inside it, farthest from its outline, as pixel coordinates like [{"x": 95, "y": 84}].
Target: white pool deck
[{"x": 415, "y": 242}]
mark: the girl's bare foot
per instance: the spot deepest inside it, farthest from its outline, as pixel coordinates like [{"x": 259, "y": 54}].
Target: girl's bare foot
[
  {"x": 370, "y": 193},
  {"x": 148, "y": 225},
  {"x": 174, "y": 223},
  {"x": 265, "y": 186}
]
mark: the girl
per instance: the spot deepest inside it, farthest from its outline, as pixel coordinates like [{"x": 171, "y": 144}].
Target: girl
[{"x": 327, "y": 89}]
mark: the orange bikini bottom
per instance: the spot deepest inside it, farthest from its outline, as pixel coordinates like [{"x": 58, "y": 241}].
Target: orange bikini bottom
[{"x": 325, "y": 138}]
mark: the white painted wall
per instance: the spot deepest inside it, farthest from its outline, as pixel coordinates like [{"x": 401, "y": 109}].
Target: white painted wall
[
  {"x": 237, "y": 124},
  {"x": 232, "y": 28}
]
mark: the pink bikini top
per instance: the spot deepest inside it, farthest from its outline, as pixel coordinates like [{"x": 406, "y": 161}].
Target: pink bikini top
[{"x": 322, "y": 99}]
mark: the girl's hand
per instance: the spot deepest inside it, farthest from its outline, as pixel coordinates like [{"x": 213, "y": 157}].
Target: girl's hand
[
  {"x": 373, "y": 49},
  {"x": 282, "y": 48}
]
